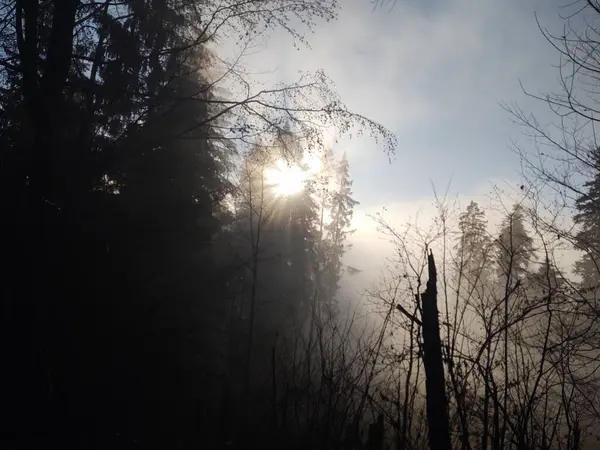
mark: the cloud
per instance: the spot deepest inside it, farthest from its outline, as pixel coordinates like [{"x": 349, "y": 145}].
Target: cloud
[{"x": 433, "y": 71}]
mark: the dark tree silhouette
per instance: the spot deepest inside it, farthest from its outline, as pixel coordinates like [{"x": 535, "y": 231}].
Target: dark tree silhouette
[
  {"x": 437, "y": 404},
  {"x": 115, "y": 178},
  {"x": 588, "y": 238}
]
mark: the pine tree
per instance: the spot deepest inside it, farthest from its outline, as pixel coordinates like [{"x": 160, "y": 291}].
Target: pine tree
[
  {"x": 588, "y": 236},
  {"x": 514, "y": 246},
  {"x": 341, "y": 209},
  {"x": 473, "y": 246},
  {"x": 134, "y": 183},
  {"x": 114, "y": 179}
]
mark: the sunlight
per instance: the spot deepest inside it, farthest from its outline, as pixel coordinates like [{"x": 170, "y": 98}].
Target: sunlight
[
  {"x": 286, "y": 179},
  {"x": 312, "y": 162},
  {"x": 289, "y": 178}
]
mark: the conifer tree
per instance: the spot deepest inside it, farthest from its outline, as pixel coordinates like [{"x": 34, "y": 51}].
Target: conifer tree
[
  {"x": 514, "y": 246},
  {"x": 473, "y": 246},
  {"x": 340, "y": 203},
  {"x": 115, "y": 168},
  {"x": 588, "y": 236}
]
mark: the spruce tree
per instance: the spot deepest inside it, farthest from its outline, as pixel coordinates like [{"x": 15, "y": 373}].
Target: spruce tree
[
  {"x": 340, "y": 204},
  {"x": 588, "y": 237},
  {"x": 473, "y": 245},
  {"x": 115, "y": 176},
  {"x": 514, "y": 246}
]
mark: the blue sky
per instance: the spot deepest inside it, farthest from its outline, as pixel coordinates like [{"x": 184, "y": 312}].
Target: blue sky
[{"x": 434, "y": 72}]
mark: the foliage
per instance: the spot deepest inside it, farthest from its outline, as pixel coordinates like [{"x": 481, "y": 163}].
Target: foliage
[
  {"x": 502, "y": 343},
  {"x": 588, "y": 238},
  {"x": 473, "y": 245},
  {"x": 340, "y": 205},
  {"x": 514, "y": 246},
  {"x": 119, "y": 151}
]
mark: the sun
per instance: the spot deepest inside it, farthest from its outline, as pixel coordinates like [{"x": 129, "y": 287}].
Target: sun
[
  {"x": 290, "y": 178},
  {"x": 286, "y": 179}
]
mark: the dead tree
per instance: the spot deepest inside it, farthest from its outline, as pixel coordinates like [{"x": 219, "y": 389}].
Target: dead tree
[
  {"x": 376, "y": 435},
  {"x": 437, "y": 405}
]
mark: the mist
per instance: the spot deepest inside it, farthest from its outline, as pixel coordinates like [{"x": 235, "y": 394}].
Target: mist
[{"x": 293, "y": 224}]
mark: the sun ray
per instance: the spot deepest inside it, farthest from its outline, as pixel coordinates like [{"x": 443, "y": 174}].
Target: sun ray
[
  {"x": 290, "y": 178},
  {"x": 286, "y": 179}
]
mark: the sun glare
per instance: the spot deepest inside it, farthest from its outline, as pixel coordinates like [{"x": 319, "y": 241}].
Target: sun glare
[
  {"x": 286, "y": 179},
  {"x": 289, "y": 178}
]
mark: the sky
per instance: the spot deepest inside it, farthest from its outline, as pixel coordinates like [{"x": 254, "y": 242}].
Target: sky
[{"x": 435, "y": 72}]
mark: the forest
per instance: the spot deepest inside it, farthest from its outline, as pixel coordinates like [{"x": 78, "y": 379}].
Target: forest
[{"x": 173, "y": 243}]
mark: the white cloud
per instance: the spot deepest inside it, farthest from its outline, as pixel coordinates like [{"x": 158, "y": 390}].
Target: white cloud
[{"x": 434, "y": 72}]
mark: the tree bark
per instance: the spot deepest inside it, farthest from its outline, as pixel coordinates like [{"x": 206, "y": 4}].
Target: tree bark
[
  {"x": 437, "y": 404},
  {"x": 44, "y": 98}
]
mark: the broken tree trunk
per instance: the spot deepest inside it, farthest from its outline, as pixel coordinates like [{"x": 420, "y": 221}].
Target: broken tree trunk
[{"x": 437, "y": 405}]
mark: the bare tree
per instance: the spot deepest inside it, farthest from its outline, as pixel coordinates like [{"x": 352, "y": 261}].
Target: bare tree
[
  {"x": 504, "y": 345},
  {"x": 560, "y": 175}
]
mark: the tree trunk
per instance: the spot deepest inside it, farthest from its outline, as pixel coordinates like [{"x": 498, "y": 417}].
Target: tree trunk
[
  {"x": 45, "y": 289},
  {"x": 44, "y": 99},
  {"x": 376, "y": 434},
  {"x": 437, "y": 405},
  {"x": 576, "y": 444}
]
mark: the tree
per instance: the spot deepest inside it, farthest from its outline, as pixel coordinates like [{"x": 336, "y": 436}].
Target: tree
[
  {"x": 340, "y": 205},
  {"x": 503, "y": 380},
  {"x": 587, "y": 238},
  {"x": 117, "y": 56},
  {"x": 438, "y": 426},
  {"x": 276, "y": 237},
  {"x": 473, "y": 246},
  {"x": 560, "y": 174},
  {"x": 116, "y": 153},
  {"x": 514, "y": 246}
]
